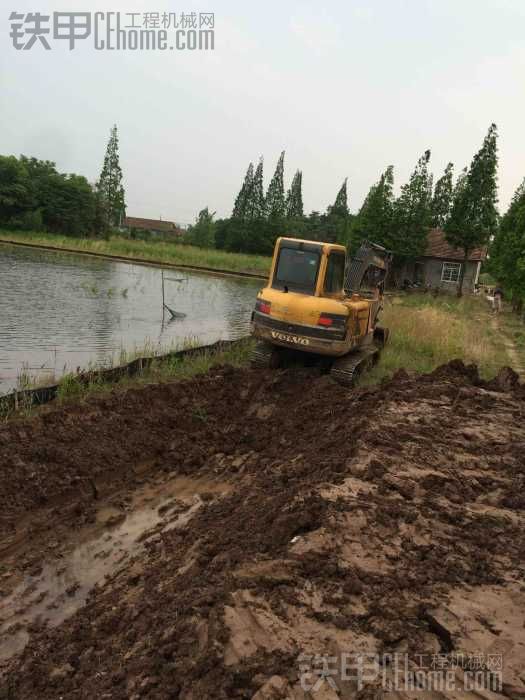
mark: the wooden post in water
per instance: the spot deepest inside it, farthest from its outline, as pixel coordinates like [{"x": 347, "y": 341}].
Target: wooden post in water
[{"x": 174, "y": 314}]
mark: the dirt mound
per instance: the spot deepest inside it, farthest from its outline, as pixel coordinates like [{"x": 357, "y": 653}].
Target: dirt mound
[{"x": 370, "y": 521}]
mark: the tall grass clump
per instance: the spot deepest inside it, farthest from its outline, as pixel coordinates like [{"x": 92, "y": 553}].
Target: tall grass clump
[
  {"x": 426, "y": 332},
  {"x": 155, "y": 251}
]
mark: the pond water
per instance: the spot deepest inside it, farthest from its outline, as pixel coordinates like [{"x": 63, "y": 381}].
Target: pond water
[{"x": 60, "y": 311}]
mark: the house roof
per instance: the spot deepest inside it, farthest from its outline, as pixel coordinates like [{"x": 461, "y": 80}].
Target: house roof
[
  {"x": 437, "y": 247},
  {"x": 149, "y": 224}
]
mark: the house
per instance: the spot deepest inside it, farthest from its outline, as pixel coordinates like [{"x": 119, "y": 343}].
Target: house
[
  {"x": 157, "y": 227},
  {"x": 440, "y": 265}
]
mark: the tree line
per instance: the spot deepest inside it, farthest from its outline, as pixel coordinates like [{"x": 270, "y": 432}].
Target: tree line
[
  {"x": 465, "y": 208},
  {"x": 35, "y": 196},
  {"x": 259, "y": 217}
]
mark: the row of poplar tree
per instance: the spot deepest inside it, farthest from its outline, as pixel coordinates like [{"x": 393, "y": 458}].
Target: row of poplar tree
[
  {"x": 465, "y": 207},
  {"x": 35, "y": 196},
  {"x": 259, "y": 217}
]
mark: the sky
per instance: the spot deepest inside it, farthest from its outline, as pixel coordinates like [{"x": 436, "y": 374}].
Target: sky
[{"x": 344, "y": 87}]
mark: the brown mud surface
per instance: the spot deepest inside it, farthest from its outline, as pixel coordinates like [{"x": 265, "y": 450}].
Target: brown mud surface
[{"x": 201, "y": 539}]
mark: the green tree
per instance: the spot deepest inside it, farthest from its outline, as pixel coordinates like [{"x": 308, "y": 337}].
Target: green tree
[
  {"x": 460, "y": 184},
  {"x": 221, "y": 233},
  {"x": 33, "y": 195},
  {"x": 340, "y": 206},
  {"x": 411, "y": 212},
  {"x": 245, "y": 230},
  {"x": 43, "y": 184},
  {"x": 442, "y": 199},
  {"x": 255, "y": 199},
  {"x": 275, "y": 202},
  {"x": 474, "y": 216},
  {"x": 202, "y": 233},
  {"x": 315, "y": 226},
  {"x": 71, "y": 207},
  {"x": 109, "y": 186},
  {"x": 507, "y": 250},
  {"x": 40, "y": 173},
  {"x": 294, "y": 197},
  {"x": 15, "y": 189},
  {"x": 374, "y": 220},
  {"x": 241, "y": 202},
  {"x": 338, "y": 217}
]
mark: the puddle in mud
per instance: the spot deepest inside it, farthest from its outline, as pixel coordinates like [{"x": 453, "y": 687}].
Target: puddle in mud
[{"x": 63, "y": 585}]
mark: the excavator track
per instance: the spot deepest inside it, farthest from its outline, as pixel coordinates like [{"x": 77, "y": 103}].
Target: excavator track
[
  {"x": 345, "y": 370},
  {"x": 264, "y": 356}
]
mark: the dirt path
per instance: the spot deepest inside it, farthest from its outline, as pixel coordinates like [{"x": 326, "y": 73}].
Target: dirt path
[
  {"x": 510, "y": 347},
  {"x": 208, "y": 539}
]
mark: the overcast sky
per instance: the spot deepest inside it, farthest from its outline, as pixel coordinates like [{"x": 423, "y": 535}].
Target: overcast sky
[{"x": 344, "y": 87}]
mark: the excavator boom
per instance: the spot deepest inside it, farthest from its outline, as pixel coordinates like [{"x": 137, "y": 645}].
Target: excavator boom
[{"x": 368, "y": 256}]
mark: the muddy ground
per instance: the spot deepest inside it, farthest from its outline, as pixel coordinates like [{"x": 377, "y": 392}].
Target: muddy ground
[{"x": 206, "y": 539}]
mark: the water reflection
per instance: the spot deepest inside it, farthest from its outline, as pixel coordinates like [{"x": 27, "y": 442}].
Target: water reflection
[{"x": 60, "y": 311}]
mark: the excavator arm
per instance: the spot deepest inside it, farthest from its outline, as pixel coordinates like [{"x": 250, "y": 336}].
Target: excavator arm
[{"x": 369, "y": 265}]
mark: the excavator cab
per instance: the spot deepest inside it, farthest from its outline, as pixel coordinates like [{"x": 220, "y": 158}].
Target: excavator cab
[{"x": 318, "y": 302}]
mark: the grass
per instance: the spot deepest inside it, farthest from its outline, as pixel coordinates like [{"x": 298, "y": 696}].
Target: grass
[
  {"x": 42, "y": 377},
  {"x": 161, "y": 371},
  {"x": 427, "y": 332},
  {"x": 513, "y": 327},
  {"x": 154, "y": 251},
  {"x": 518, "y": 336},
  {"x": 34, "y": 378},
  {"x": 167, "y": 368},
  {"x": 487, "y": 278}
]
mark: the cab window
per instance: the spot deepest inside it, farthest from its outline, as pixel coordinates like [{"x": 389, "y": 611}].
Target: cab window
[
  {"x": 296, "y": 270},
  {"x": 335, "y": 273}
]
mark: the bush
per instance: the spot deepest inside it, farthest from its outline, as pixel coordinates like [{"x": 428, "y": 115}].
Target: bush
[
  {"x": 202, "y": 233},
  {"x": 34, "y": 196}
]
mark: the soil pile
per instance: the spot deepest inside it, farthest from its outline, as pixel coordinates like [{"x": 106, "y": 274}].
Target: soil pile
[{"x": 382, "y": 520}]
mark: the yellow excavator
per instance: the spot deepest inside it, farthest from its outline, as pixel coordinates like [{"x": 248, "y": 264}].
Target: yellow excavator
[{"x": 318, "y": 302}]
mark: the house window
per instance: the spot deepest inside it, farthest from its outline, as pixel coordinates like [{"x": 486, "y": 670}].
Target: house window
[{"x": 450, "y": 272}]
